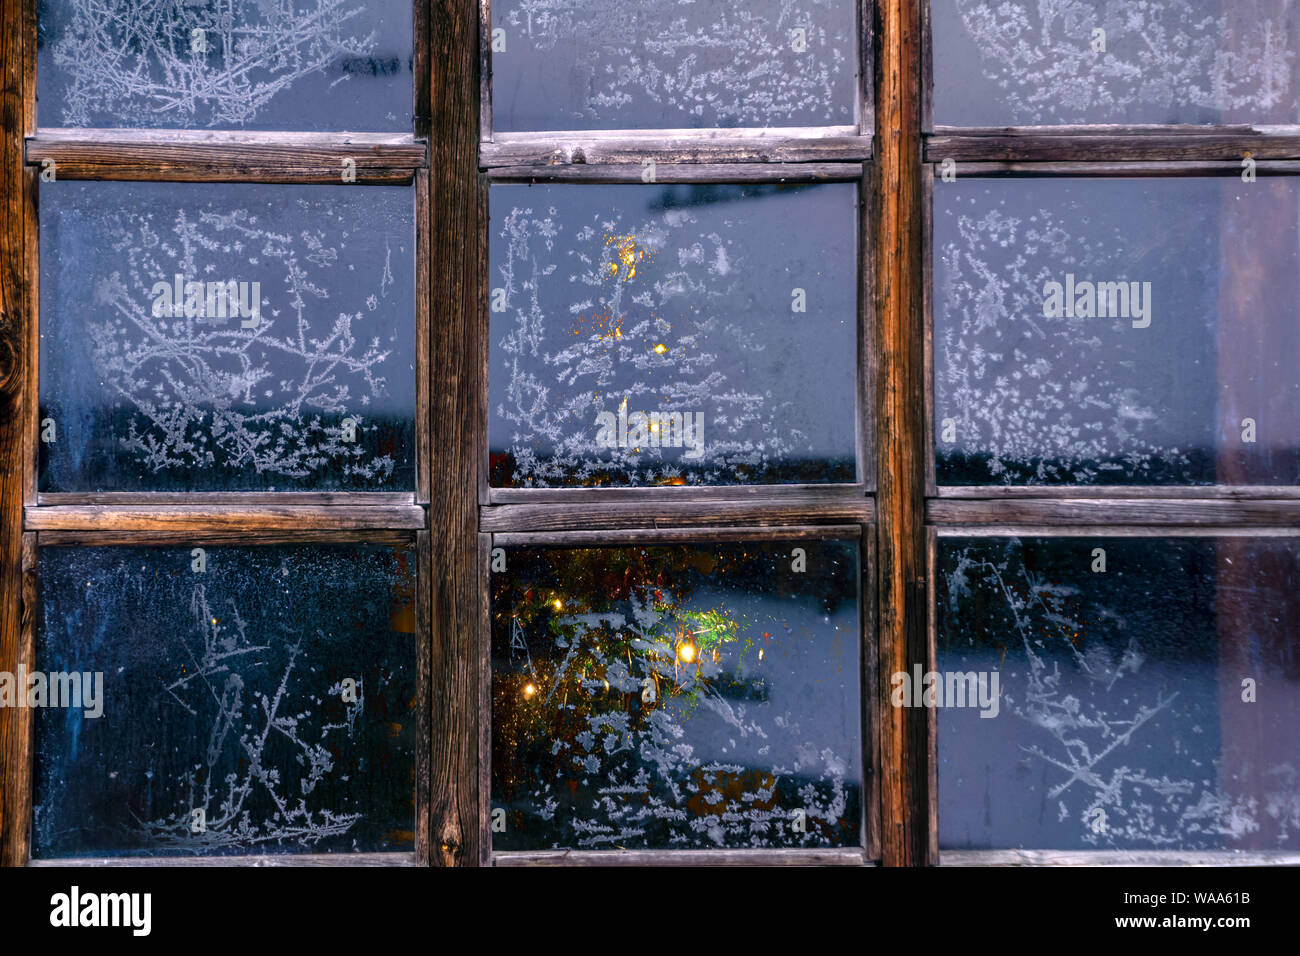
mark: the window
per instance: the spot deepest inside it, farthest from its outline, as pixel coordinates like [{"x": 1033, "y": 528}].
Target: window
[
  {"x": 1111, "y": 430},
  {"x": 216, "y": 433},
  {"x": 552, "y": 432},
  {"x": 676, "y": 502}
]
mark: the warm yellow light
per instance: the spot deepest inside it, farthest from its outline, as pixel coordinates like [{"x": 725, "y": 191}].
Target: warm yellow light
[
  {"x": 530, "y": 689},
  {"x": 686, "y": 651},
  {"x": 760, "y": 653},
  {"x": 661, "y": 348},
  {"x": 558, "y": 604}
]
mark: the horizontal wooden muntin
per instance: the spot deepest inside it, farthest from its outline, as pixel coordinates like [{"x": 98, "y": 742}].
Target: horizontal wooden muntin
[
  {"x": 1109, "y": 143},
  {"x": 827, "y": 144},
  {"x": 223, "y": 156}
]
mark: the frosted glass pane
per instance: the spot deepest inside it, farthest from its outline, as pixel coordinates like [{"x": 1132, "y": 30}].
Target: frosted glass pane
[
  {"x": 672, "y": 64},
  {"x": 315, "y": 65},
  {"x": 286, "y": 360},
  {"x": 1045, "y": 62},
  {"x": 673, "y": 335},
  {"x": 1117, "y": 332},
  {"x": 1145, "y": 693},
  {"x": 262, "y": 704},
  {"x": 686, "y": 696}
]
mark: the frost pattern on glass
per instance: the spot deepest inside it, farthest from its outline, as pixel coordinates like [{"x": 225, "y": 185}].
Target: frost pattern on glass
[
  {"x": 241, "y": 64},
  {"x": 1159, "y": 61},
  {"x": 263, "y": 705},
  {"x": 681, "y": 697},
  {"x": 1125, "y": 720},
  {"x": 676, "y": 64},
  {"x": 151, "y": 389},
  {"x": 1022, "y": 397},
  {"x": 673, "y": 300}
]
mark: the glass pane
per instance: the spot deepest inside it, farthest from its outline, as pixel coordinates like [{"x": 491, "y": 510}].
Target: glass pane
[
  {"x": 672, "y": 64},
  {"x": 1143, "y": 693},
  {"x": 1117, "y": 332},
  {"x": 227, "y": 337},
  {"x": 245, "y": 700},
  {"x": 240, "y": 64},
  {"x": 683, "y": 697},
  {"x": 674, "y": 334},
  {"x": 1108, "y": 61}
]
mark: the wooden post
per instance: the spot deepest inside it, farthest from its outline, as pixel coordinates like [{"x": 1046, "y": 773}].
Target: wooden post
[
  {"x": 900, "y": 475},
  {"x": 457, "y": 238},
  {"x": 17, "y": 370}
]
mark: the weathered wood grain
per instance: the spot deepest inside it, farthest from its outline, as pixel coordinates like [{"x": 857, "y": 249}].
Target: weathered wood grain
[
  {"x": 201, "y": 518},
  {"x": 693, "y": 173},
  {"x": 1152, "y": 512},
  {"x": 1106, "y": 143},
  {"x": 629, "y": 536},
  {"x": 621, "y": 147},
  {"x": 196, "y": 149},
  {"x": 572, "y": 516},
  {"x": 191, "y": 537},
  {"x": 457, "y": 250},
  {"x": 900, "y": 453},
  {"x": 16, "y": 550}
]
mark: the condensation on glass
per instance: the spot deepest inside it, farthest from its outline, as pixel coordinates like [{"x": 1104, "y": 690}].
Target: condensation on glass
[
  {"x": 673, "y": 334},
  {"x": 226, "y": 337},
  {"x": 309, "y": 65},
  {"x": 1117, "y": 332},
  {"x": 1143, "y": 698},
  {"x": 233, "y": 700},
  {"x": 672, "y": 64},
  {"x": 677, "y": 697},
  {"x": 1047, "y": 62}
]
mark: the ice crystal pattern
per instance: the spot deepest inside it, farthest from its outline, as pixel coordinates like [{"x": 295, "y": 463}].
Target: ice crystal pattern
[
  {"x": 646, "y": 771},
  {"x": 1088, "y": 706},
  {"x": 202, "y": 390},
  {"x": 234, "y": 772},
  {"x": 720, "y": 64},
  {"x": 137, "y": 61},
  {"x": 622, "y": 314},
  {"x": 1164, "y": 54},
  {"x": 1035, "y": 395}
]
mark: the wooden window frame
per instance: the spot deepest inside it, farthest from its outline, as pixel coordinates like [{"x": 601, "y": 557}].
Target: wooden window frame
[
  {"x": 1073, "y": 510},
  {"x": 620, "y": 515},
  {"x": 30, "y": 519},
  {"x": 452, "y": 157}
]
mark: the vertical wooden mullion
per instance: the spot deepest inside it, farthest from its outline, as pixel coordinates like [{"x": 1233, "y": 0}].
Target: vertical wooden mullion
[
  {"x": 458, "y": 418},
  {"x": 484, "y": 663},
  {"x": 423, "y": 333},
  {"x": 870, "y": 700},
  {"x": 16, "y": 551},
  {"x": 867, "y": 371},
  {"x": 485, "y": 70},
  {"x": 900, "y": 483},
  {"x": 423, "y": 753}
]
